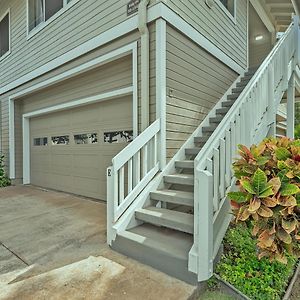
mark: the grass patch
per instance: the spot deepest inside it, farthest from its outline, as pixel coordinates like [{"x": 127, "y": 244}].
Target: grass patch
[{"x": 258, "y": 279}]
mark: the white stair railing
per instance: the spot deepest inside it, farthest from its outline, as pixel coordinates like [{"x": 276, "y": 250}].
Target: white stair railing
[
  {"x": 131, "y": 171},
  {"x": 250, "y": 117}
]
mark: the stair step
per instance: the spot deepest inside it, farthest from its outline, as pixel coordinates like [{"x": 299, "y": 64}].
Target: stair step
[
  {"x": 184, "y": 164},
  {"x": 164, "y": 249},
  {"x": 183, "y": 179},
  {"x": 167, "y": 218},
  {"x": 208, "y": 129},
  {"x": 227, "y": 103},
  {"x": 200, "y": 139},
  {"x": 237, "y": 90},
  {"x": 246, "y": 79},
  {"x": 233, "y": 96},
  {"x": 222, "y": 110},
  {"x": 250, "y": 72},
  {"x": 216, "y": 119},
  {"x": 192, "y": 151},
  {"x": 174, "y": 197},
  {"x": 242, "y": 84}
]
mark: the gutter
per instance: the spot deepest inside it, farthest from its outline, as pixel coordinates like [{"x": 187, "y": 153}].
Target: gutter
[{"x": 145, "y": 63}]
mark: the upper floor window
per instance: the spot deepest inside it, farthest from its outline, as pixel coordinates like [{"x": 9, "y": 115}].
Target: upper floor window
[
  {"x": 4, "y": 35},
  {"x": 229, "y": 5},
  {"x": 40, "y": 11}
]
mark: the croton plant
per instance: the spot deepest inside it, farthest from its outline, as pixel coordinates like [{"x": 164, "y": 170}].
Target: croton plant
[{"x": 268, "y": 196}]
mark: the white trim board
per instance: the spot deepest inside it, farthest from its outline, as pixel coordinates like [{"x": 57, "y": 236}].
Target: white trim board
[
  {"x": 155, "y": 12},
  {"x": 263, "y": 15},
  {"x": 7, "y": 12},
  {"x": 106, "y": 58},
  {"x": 60, "y": 107},
  {"x": 161, "y": 86}
]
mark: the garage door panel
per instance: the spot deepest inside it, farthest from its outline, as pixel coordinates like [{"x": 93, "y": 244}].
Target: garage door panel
[{"x": 79, "y": 166}]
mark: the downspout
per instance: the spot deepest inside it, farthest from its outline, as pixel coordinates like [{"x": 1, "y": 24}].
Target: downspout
[{"x": 145, "y": 64}]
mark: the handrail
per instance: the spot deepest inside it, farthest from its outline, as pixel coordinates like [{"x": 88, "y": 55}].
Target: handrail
[
  {"x": 131, "y": 171},
  {"x": 249, "y": 118},
  {"x": 241, "y": 98}
]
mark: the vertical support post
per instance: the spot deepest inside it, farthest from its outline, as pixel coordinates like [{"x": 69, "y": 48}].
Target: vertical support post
[
  {"x": 161, "y": 87},
  {"x": 204, "y": 223},
  {"x": 271, "y": 104},
  {"x": 297, "y": 39},
  {"x": 291, "y": 107},
  {"x": 26, "y": 150},
  {"x": 110, "y": 206},
  {"x": 11, "y": 107}
]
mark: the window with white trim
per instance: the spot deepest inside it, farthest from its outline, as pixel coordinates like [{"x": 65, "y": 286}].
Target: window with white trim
[
  {"x": 40, "y": 11},
  {"x": 229, "y": 5},
  {"x": 4, "y": 35}
]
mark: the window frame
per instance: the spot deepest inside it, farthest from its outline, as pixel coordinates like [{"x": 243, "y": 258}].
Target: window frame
[
  {"x": 227, "y": 12},
  {"x": 7, "y": 12},
  {"x": 45, "y": 23}
]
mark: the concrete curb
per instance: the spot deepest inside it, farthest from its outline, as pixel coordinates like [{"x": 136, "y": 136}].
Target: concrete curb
[{"x": 288, "y": 292}]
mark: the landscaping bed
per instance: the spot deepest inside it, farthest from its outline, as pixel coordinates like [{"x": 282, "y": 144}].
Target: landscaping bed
[
  {"x": 4, "y": 180},
  {"x": 253, "y": 277}
]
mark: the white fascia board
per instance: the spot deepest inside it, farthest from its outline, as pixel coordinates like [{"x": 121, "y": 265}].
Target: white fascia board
[
  {"x": 155, "y": 12},
  {"x": 188, "y": 30},
  {"x": 263, "y": 15}
]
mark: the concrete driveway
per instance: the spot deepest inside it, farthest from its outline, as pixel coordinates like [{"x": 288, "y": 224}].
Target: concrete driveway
[{"x": 44, "y": 231}]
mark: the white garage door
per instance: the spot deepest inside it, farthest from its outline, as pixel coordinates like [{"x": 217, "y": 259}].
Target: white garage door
[{"x": 70, "y": 150}]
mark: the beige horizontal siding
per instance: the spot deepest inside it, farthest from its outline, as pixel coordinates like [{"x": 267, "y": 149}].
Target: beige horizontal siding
[
  {"x": 215, "y": 25},
  {"x": 258, "y": 50},
  {"x": 80, "y": 23},
  {"x": 195, "y": 82},
  {"x": 114, "y": 75}
]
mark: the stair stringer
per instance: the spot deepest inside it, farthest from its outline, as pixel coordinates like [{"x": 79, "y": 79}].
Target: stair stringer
[{"x": 128, "y": 220}]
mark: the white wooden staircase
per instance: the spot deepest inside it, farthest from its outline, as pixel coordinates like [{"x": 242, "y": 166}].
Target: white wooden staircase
[{"x": 175, "y": 220}]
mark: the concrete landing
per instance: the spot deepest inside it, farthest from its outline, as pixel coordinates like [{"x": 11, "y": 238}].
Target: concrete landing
[{"x": 46, "y": 232}]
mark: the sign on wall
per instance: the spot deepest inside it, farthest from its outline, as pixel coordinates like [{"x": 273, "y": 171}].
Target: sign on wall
[{"x": 132, "y": 7}]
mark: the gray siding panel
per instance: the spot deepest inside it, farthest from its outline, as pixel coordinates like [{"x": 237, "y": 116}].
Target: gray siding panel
[
  {"x": 195, "y": 82},
  {"x": 215, "y": 25},
  {"x": 80, "y": 23}
]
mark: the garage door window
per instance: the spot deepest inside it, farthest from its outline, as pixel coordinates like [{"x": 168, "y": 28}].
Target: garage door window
[
  {"x": 86, "y": 138},
  {"x": 125, "y": 136},
  {"x": 41, "y": 141},
  {"x": 60, "y": 140}
]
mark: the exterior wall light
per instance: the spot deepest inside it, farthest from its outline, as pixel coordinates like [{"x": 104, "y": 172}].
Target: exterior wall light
[{"x": 259, "y": 37}]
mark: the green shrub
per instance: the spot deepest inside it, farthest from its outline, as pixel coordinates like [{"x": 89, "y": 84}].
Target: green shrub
[
  {"x": 4, "y": 180},
  {"x": 240, "y": 266},
  {"x": 268, "y": 178}
]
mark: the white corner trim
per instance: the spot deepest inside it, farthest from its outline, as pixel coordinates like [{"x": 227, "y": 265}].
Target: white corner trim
[
  {"x": 155, "y": 12},
  {"x": 135, "y": 90},
  {"x": 263, "y": 15},
  {"x": 161, "y": 86},
  {"x": 11, "y": 130},
  {"x": 60, "y": 107}
]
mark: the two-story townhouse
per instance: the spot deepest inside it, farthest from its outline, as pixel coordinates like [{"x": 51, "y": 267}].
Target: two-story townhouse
[{"x": 87, "y": 83}]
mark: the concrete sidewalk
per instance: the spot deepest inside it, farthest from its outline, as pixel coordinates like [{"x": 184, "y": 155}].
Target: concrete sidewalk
[{"x": 51, "y": 230}]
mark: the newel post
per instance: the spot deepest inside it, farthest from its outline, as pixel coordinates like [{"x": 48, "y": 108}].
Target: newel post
[
  {"x": 204, "y": 198},
  {"x": 110, "y": 206}
]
